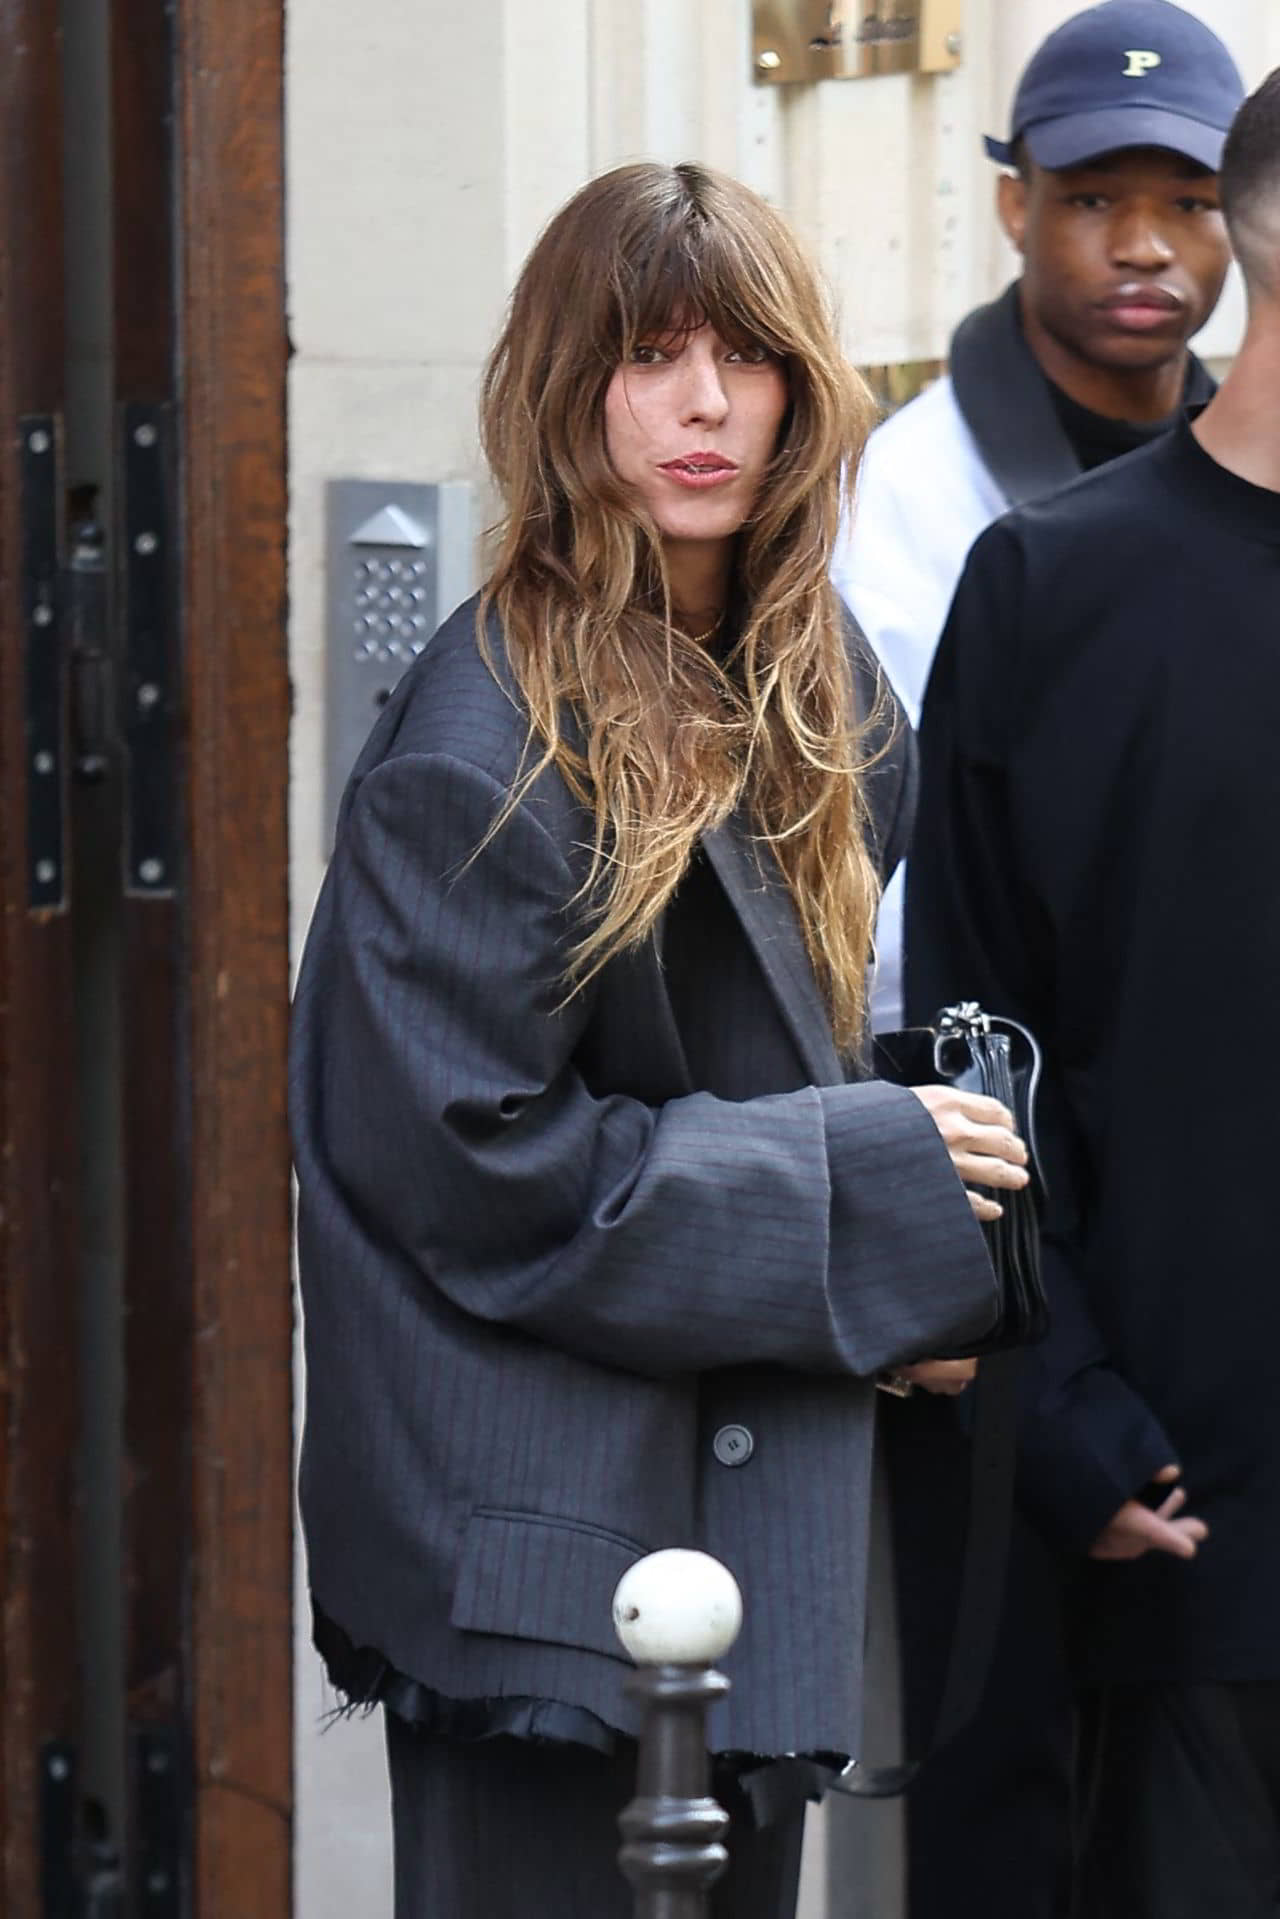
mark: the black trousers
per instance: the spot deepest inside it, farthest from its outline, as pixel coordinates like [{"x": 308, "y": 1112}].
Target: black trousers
[
  {"x": 988, "y": 1822},
  {"x": 1133, "y": 1802},
  {"x": 505, "y": 1829},
  {"x": 1179, "y": 1803}
]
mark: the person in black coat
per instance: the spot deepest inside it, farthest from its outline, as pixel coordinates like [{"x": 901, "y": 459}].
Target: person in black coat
[
  {"x": 604, "y": 1233},
  {"x": 1113, "y": 141},
  {"x": 1100, "y": 792}
]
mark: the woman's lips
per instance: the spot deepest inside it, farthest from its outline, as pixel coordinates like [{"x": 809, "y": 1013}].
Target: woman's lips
[{"x": 698, "y": 475}]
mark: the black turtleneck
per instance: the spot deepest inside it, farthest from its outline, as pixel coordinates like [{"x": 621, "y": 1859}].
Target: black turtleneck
[{"x": 1097, "y": 437}]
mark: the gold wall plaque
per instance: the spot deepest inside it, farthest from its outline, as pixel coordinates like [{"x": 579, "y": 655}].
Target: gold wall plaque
[{"x": 853, "y": 39}]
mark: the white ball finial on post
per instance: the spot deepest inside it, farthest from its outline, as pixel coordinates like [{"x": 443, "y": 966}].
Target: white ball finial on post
[
  {"x": 677, "y": 1608},
  {"x": 675, "y": 1612}
]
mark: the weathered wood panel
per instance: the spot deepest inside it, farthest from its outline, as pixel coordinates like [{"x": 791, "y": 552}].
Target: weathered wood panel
[{"x": 39, "y": 1394}]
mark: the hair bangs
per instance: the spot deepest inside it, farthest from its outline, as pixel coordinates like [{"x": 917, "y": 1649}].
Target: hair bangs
[{"x": 689, "y": 270}]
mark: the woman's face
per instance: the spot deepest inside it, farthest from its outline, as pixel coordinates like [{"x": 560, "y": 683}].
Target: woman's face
[{"x": 691, "y": 424}]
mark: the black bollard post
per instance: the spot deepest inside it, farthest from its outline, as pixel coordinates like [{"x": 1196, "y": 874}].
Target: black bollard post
[{"x": 675, "y": 1612}]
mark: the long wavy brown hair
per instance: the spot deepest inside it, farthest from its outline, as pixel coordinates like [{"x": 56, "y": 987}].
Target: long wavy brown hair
[{"x": 665, "y": 738}]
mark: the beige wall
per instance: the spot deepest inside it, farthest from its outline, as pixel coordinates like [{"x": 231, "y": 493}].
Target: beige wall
[{"x": 428, "y": 141}]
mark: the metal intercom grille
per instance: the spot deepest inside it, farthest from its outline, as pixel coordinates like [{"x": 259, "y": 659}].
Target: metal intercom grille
[
  {"x": 400, "y": 559},
  {"x": 393, "y": 609}
]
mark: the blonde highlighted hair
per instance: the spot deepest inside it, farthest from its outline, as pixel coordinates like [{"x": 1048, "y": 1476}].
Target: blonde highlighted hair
[{"x": 662, "y": 738}]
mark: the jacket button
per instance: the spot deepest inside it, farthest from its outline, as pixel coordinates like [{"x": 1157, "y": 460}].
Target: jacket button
[{"x": 733, "y": 1445}]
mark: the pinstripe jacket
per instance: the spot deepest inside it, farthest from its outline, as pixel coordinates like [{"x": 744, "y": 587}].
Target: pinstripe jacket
[{"x": 584, "y": 1280}]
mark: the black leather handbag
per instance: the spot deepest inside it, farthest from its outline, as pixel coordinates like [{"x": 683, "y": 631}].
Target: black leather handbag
[
  {"x": 980, "y": 1053},
  {"x": 968, "y": 1048}
]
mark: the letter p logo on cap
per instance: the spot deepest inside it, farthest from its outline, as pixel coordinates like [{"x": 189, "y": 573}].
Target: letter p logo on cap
[{"x": 1140, "y": 63}]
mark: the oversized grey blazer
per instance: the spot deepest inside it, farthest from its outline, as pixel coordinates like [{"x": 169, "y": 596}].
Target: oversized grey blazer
[{"x": 545, "y": 1263}]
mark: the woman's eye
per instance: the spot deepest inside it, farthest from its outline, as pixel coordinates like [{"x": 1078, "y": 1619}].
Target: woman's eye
[
  {"x": 647, "y": 354},
  {"x": 755, "y": 355}
]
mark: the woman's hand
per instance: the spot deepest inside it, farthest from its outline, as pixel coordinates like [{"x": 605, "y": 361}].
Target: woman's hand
[
  {"x": 946, "y": 1376},
  {"x": 978, "y": 1133}
]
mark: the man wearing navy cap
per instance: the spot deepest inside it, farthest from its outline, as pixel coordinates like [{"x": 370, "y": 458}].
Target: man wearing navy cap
[
  {"x": 1116, "y": 133},
  {"x": 1116, "y": 130}
]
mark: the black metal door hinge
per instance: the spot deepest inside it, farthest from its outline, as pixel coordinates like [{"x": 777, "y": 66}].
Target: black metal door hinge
[
  {"x": 43, "y": 688},
  {"x": 148, "y": 578},
  {"x": 59, "y": 1820},
  {"x": 80, "y": 1876},
  {"x": 156, "y": 1764}
]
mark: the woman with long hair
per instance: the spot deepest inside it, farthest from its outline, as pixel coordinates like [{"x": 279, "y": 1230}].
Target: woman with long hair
[{"x": 605, "y": 1233}]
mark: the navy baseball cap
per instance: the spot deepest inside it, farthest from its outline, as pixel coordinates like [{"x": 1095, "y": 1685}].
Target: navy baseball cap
[{"x": 1130, "y": 73}]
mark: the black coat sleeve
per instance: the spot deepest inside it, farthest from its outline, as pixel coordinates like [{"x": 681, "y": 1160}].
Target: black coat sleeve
[{"x": 977, "y": 928}]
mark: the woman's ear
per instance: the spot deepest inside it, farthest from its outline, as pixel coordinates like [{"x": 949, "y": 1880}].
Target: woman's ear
[{"x": 1011, "y": 207}]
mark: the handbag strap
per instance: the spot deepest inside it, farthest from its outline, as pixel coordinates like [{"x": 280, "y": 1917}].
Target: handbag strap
[{"x": 980, "y": 1599}]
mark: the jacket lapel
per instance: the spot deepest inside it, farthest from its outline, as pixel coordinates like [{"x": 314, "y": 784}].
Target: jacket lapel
[
  {"x": 1007, "y": 406},
  {"x": 758, "y": 894}
]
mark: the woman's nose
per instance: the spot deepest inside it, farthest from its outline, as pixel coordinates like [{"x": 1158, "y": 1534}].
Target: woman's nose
[{"x": 703, "y": 396}]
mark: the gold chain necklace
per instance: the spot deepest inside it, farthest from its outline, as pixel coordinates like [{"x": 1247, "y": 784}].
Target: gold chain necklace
[{"x": 700, "y": 639}]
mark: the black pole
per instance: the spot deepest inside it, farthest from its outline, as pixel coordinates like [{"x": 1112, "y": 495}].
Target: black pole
[
  {"x": 673, "y": 1830},
  {"x": 675, "y": 1612}
]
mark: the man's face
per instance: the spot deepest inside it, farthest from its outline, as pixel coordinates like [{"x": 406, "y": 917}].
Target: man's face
[{"x": 1123, "y": 258}]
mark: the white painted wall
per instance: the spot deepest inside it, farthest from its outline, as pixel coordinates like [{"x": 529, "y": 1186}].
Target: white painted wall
[{"x": 428, "y": 142}]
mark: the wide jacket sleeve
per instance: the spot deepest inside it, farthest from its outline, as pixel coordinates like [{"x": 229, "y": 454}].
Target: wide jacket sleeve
[
  {"x": 822, "y": 1229},
  {"x": 977, "y": 929}
]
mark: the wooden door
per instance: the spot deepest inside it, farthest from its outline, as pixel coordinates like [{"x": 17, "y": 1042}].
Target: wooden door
[
  {"x": 165, "y": 1640},
  {"x": 231, "y": 321},
  {"x": 199, "y": 379}
]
